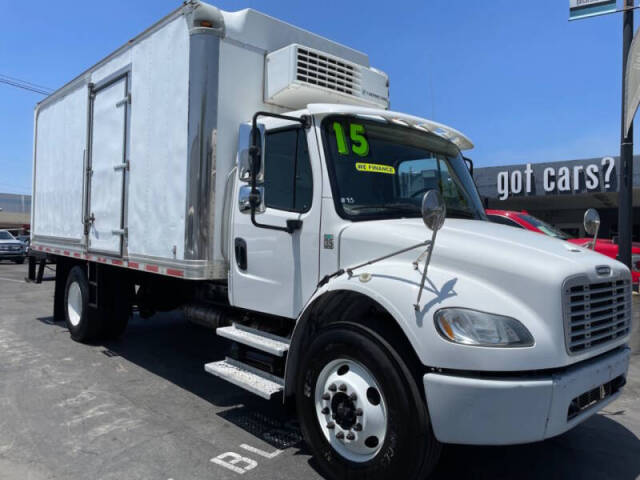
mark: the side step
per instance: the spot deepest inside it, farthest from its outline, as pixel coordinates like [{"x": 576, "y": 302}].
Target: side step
[
  {"x": 257, "y": 339},
  {"x": 245, "y": 376}
]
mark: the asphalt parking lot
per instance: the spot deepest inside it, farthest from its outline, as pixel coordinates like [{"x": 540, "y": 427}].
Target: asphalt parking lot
[{"x": 143, "y": 408}]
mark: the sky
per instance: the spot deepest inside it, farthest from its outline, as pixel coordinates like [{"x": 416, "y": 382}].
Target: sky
[{"x": 524, "y": 83}]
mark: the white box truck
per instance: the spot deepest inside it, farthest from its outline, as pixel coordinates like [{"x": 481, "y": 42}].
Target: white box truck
[{"x": 251, "y": 174}]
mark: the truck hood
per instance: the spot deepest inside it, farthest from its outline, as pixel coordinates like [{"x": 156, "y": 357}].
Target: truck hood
[
  {"x": 479, "y": 248},
  {"x": 605, "y": 244},
  {"x": 481, "y": 266}
]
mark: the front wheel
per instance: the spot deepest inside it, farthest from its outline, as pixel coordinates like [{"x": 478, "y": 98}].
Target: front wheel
[
  {"x": 19, "y": 261},
  {"x": 360, "y": 409}
]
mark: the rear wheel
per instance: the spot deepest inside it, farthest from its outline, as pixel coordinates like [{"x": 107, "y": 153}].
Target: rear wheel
[
  {"x": 83, "y": 322},
  {"x": 360, "y": 409}
]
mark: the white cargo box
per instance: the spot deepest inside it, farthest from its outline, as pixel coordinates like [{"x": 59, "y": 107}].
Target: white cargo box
[{"x": 131, "y": 157}]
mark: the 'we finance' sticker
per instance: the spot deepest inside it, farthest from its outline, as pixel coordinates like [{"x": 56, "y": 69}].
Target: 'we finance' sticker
[{"x": 375, "y": 167}]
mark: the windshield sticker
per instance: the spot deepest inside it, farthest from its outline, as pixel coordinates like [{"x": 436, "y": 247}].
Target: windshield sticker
[
  {"x": 375, "y": 167},
  {"x": 359, "y": 143},
  {"x": 340, "y": 140}
]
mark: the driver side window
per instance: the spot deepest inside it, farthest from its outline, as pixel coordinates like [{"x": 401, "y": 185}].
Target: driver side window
[{"x": 288, "y": 183}]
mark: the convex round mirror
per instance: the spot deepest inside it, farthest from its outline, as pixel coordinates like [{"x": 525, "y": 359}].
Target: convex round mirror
[
  {"x": 434, "y": 210},
  {"x": 591, "y": 221}
]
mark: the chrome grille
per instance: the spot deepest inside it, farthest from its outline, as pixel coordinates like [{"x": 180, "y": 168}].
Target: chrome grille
[
  {"x": 325, "y": 71},
  {"x": 595, "y": 313}
]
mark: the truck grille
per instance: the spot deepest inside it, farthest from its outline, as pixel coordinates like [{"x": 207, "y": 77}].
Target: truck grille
[
  {"x": 325, "y": 71},
  {"x": 595, "y": 313}
]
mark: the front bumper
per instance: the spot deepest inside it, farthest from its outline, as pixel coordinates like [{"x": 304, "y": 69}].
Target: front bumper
[
  {"x": 519, "y": 409},
  {"x": 8, "y": 255}
]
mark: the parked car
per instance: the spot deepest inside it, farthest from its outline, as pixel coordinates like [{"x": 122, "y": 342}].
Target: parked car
[
  {"x": 605, "y": 246},
  {"x": 26, "y": 240},
  {"x": 11, "y": 248}
]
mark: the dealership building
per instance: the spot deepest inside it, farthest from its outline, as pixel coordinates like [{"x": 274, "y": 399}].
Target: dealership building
[
  {"x": 560, "y": 192},
  {"x": 15, "y": 212}
]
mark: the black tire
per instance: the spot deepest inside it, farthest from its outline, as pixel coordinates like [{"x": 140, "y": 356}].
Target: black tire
[
  {"x": 19, "y": 261},
  {"x": 87, "y": 326},
  {"x": 409, "y": 450}
]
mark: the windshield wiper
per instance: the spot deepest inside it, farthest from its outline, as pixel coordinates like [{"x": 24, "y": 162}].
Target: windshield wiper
[{"x": 456, "y": 212}]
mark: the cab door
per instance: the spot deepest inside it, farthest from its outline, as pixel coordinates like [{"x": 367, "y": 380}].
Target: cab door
[{"x": 273, "y": 271}]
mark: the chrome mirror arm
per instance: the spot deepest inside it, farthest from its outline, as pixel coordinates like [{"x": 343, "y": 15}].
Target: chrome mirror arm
[
  {"x": 379, "y": 259},
  {"x": 595, "y": 237},
  {"x": 434, "y": 212},
  {"x": 426, "y": 267}
]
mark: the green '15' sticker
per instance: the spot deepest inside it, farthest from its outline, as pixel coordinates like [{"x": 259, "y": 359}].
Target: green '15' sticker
[{"x": 359, "y": 144}]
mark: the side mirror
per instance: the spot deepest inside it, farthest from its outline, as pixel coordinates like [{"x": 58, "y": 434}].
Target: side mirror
[
  {"x": 244, "y": 165},
  {"x": 245, "y": 160},
  {"x": 256, "y": 153},
  {"x": 434, "y": 210},
  {"x": 592, "y": 224},
  {"x": 244, "y": 199}
]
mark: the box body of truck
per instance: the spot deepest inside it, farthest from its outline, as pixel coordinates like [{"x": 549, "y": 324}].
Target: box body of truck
[{"x": 131, "y": 158}]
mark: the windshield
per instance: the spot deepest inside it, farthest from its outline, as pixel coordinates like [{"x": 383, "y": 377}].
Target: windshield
[
  {"x": 545, "y": 227},
  {"x": 381, "y": 170},
  {"x": 6, "y": 236}
]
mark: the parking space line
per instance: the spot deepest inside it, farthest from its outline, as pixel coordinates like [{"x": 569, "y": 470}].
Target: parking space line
[{"x": 12, "y": 280}]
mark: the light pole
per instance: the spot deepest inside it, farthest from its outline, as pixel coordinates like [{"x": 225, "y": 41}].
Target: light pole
[{"x": 625, "y": 189}]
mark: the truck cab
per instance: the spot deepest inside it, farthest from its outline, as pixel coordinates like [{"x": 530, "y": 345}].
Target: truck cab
[
  {"x": 350, "y": 166},
  {"x": 531, "y": 328}
]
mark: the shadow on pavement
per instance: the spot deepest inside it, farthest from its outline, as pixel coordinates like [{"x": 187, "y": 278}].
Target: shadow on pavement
[
  {"x": 168, "y": 346},
  {"x": 174, "y": 349},
  {"x": 597, "y": 449}
]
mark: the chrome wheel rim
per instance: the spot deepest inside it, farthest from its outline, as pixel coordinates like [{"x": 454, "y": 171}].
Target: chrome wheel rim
[
  {"x": 74, "y": 304},
  {"x": 351, "y": 410}
]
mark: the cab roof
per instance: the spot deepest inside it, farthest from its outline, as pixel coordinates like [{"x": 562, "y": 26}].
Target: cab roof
[{"x": 456, "y": 137}]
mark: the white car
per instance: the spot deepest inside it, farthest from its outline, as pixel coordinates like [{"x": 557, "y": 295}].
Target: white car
[{"x": 11, "y": 248}]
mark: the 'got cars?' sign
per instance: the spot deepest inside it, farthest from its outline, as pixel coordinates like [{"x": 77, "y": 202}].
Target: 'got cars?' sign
[{"x": 550, "y": 179}]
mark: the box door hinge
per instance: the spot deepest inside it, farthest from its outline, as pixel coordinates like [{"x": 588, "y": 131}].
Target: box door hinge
[{"x": 125, "y": 100}]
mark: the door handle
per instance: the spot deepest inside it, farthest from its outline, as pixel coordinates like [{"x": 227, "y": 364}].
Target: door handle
[
  {"x": 88, "y": 221},
  {"x": 122, "y": 166},
  {"x": 241, "y": 253}
]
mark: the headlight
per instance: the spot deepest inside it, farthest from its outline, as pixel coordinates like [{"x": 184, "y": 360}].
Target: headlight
[
  {"x": 635, "y": 263},
  {"x": 471, "y": 327}
]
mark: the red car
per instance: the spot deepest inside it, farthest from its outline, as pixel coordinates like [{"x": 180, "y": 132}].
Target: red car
[{"x": 606, "y": 247}]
